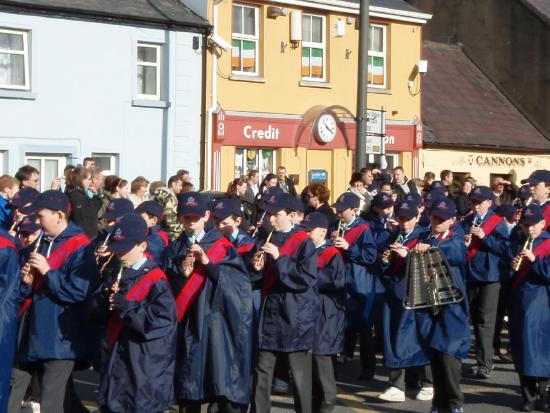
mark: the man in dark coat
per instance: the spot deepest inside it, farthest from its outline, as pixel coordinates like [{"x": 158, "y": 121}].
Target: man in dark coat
[
  {"x": 284, "y": 182},
  {"x": 214, "y": 306}
]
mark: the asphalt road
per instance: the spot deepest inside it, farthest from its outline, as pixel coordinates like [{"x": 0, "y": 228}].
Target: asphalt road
[{"x": 497, "y": 394}]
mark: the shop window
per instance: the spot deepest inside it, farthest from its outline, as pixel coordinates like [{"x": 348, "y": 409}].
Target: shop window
[
  {"x": 262, "y": 160},
  {"x": 313, "y": 47},
  {"x": 245, "y": 40},
  {"x": 148, "y": 71},
  {"x": 49, "y": 166},
  {"x": 377, "y": 56},
  {"x": 106, "y": 162},
  {"x": 14, "y": 60}
]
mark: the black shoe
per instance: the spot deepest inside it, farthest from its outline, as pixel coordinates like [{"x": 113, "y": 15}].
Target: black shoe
[
  {"x": 528, "y": 406},
  {"x": 279, "y": 387},
  {"x": 366, "y": 375},
  {"x": 483, "y": 372},
  {"x": 543, "y": 405},
  {"x": 327, "y": 407}
]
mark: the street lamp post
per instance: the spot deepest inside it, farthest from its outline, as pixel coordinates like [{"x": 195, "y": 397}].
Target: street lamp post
[{"x": 362, "y": 80}]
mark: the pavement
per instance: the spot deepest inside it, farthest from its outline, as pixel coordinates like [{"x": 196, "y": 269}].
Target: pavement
[{"x": 500, "y": 393}]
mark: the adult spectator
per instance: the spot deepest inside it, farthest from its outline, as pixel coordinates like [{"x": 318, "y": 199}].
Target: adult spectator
[
  {"x": 317, "y": 198},
  {"x": 184, "y": 175},
  {"x": 97, "y": 182},
  {"x": 269, "y": 181},
  {"x": 83, "y": 211},
  {"x": 89, "y": 164},
  {"x": 368, "y": 179},
  {"x": 447, "y": 179},
  {"x": 402, "y": 186},
  {"x": 252, "y": 181},
  {"x": 237, "y": 190},
  {"x": 357, "y": 186},
  {"x": 28, "y": 176},
  {"x": 429, "y": 177},
  {"x": 504, "y": 192},
  {"x": 138, "y": 191},
  {"x": 115, "y": 188},
  {"x": 187, "y": 187},
  {"x": 154, "y": 186},
  {"x": 9, "y": 186},
  {"x": 284, "y": 182},
  {"x": 462, "y": 201},
  {"x": 168, "y": 198}
]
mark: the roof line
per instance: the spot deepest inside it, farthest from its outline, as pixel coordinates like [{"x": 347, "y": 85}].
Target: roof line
[{"x": 435, "y": 145}]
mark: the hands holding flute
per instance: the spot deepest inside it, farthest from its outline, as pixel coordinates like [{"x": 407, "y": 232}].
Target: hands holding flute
[
  {"x": 518, "y": 259},
  {"x": 194, "y": 254}
]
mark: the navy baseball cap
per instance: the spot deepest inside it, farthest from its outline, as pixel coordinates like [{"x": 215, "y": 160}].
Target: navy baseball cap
[
  {"x": 345, "y": 201},
  {"x": 408, "y": 209},
  {"x": 443, "y": 208},
  {"x": 524, "y": 192},
  {"x": 129, "y": 230},
  {"x": 538, "y": 176},
  {"x": 23, "y": 197},
  {"x": 274, "y": 190},
  {"x": 117, "y": 208},
  {"x": 414, "y": 197},
  {"x": 439, "y": 186},
  {"x": 51, "y": 199},
  {"x": 432, "y": 196},
  {"x": 28, "y": 224},
  {"x": 481, "y": 193},
  {"x": 191, "y": 203},
  {"x": 506, "y": 211},
  {"x": 315, "y": 220},
  {"x": 384, "y": 176},
  {"x": 152, "y": 208},
  {"x": 277, "y": 203},
  {"x": 225, "y": 207},
  {"x": 298, "y": 205},
  {"x": 382, "y": 200},
  {"x": 531, "y": 215}
]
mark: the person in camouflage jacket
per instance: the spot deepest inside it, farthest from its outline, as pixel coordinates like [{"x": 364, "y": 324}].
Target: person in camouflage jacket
[{"x": 168, "y": 198}]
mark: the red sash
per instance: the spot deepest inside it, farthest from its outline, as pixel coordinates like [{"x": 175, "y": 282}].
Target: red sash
[
  {"x": 541, "y": 251},
  {"x": 288, "y": 249},
  {"x": 6, "y": 243},
  {"x": 137, "y": 293},
  {"x": 397, "y": 260},
  {"x": 326, "y": 256},
  {"x": 58, "y": 257},
  {"x": 197, "y": 279},
  {"x": 164, "y": 236},
  {"x": 243, "y": 249},
  {"x": 546, "y": 214},
  {"x": 351, "y": 235},
  {"x": 487, "y": 227}
]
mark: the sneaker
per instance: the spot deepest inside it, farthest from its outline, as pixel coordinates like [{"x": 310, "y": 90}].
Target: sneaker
[
  {"x": 484, "y": 372},
  {"x": 474, "y": 369},
  {"x": 425, "y": 394},
  {"x": 30, "y": 407},
  {"x": 457, "y": 410},
  {"x": 392, "y": 394}
]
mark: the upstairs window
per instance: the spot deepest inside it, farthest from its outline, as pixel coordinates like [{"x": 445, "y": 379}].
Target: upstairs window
[
  {"x": 377, "y": 56},
  {"x": 148, "y": 71},
  {"x": 14, "y": 60},
  {"x": 245, "y": 40},
  {"x": 313, "y": 47}
]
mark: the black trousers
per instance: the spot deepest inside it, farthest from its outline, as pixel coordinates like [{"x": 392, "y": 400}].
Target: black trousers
[
  {"x": 446, "y": 380},
  {"x": 53, "y": 376},
  {"x": 367, "y": 346},
  {"x": 417, "y": 376},
  {"x": 533, "y": 387},
  {"x": 483, "y": 311},
  {"x": 502, "y": 311},
  {"x": 324, "y": 382},
  {"x": 300, "y": 366}
]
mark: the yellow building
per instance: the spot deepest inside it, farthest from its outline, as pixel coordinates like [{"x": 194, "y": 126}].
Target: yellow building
[{"x": 282, "y": 82}]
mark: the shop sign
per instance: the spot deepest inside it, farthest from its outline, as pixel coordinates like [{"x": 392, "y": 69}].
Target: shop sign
[
  {"x": 374, "y": 143},
  {"x": 265, "y": 133},
  {"x": 499, "y": 160},
  {"x": 376, "y": 122}
]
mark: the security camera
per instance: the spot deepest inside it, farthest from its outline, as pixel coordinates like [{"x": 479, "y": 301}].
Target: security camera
[
  {"x": 423, "y": 67},
  {"x": 220, "y": 42}
]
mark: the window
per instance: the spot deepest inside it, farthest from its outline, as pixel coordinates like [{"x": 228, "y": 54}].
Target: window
[
  {"x": 49, "y": 166},
  {"x": 148, "y": 71},
  {"x": 392, "y": 160},
  {"x": 313, "y": 47},
  {"x": 377, "y": 56},
  {"x": 246, "y": 159},
  {"x": 106, "y": 162},
  {"x": 244, "y": 41},
  {"x": 14, "y": 60}
]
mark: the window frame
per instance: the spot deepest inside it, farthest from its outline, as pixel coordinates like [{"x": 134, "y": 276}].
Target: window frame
[
  {"x": 316, "y": 46},
  {"x": 113, "y": 161},
  {"x": 259, "y": 157},
  {"x": 241, "y": 36},
  {"x": 24, "y": 53},
  {"x": 158, "y": 66},
  {"x": 43, "y": 157},
  {"x": 383, "y": 54}
]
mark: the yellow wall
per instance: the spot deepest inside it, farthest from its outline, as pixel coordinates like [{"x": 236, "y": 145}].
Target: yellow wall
[
  {"x": 281, "y": 92},
  {"x": 481, "y": 164}
]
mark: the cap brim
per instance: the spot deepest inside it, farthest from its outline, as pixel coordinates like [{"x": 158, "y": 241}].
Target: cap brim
[
  {"x": 194, "y": 213},
  {"x": 123, "y": 247},
  {"x": 273, "y": 208},
  {"x": 340, "y": 207},
  {"x": 30, "y": 209},
  {"x": 442, "y": 216}
]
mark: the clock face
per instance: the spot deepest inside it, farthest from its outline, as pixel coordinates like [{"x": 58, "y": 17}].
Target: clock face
[{"x": 326, "y": 128}]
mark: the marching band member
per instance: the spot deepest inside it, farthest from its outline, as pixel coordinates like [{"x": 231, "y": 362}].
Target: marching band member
[
  {"x": 288, "y": 262},
  {"x": 59, "y": 277},
  {"x": 157, "y": 238},
  {"x": 23, "y": 198},
  {"x": 487, "y": 242},
  {"x": 539, "y": 185},
  {"x": 9, "y": 297},
  {"x": 141, "y": 312},
  {"x": 530, "y": 300},
  {"x": 447, "y": 333},
  {"x": 329, "y": 329},
  {"x": 214, "y": 308},
  {"x": 403, "y": 348}
]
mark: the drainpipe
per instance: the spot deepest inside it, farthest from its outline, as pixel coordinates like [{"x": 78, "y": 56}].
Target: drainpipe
[{"x": 213, "y": 102}]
